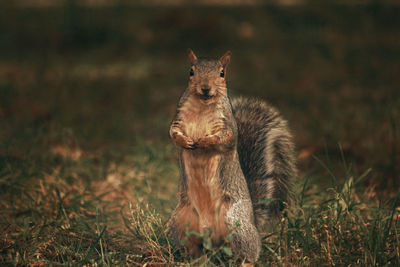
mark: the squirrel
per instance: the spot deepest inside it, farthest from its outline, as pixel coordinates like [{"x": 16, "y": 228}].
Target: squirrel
[{"x": 236, "y": 163}]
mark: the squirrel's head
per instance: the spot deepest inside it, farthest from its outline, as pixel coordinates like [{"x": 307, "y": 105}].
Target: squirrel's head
[{"x": 207, "y": 76}]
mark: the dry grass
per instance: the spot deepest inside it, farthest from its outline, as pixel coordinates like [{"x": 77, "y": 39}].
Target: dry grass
[{"x": 58, "y": 217}]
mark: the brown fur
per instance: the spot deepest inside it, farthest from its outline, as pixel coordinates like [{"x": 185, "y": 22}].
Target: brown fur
[
  {"x": 213, "y": 190},
  {"x": 206, "y": 205}
]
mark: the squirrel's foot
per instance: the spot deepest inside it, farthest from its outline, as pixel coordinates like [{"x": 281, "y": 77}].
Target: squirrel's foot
[
  {"x": 208, "y": 141},
  {"x": 184, "y": 141}
]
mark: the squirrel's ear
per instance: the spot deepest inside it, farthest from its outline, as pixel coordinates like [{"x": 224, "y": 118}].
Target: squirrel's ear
[
  {"x": 192, "y": 56},
  {"x": 225, "y": 58}
]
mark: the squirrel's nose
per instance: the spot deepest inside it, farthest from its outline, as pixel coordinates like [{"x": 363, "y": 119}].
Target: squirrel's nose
[{"x": 205, "y": 90}]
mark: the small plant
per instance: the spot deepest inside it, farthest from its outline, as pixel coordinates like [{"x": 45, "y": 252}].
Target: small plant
[{"x": 221, "y": 255}]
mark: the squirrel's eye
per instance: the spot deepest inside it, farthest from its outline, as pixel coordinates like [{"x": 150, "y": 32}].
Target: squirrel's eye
[
  {"x": 191, "y": 73},
  {"x": 222, "y": 74}
]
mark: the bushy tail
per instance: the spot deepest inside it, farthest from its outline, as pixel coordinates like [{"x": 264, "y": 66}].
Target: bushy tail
[{"x": 266, "y": 154}]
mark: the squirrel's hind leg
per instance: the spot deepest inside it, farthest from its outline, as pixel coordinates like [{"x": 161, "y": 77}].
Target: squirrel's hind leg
[{"x": 246, "y": 239}]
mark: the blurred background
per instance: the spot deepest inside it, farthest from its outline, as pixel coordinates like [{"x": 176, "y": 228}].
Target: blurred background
[{"x": 88, "y": 90}]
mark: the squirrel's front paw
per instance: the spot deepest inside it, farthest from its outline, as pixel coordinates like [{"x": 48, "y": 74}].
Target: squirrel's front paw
[
  {"x": 208, "y": 141},
  {"x": 184, "y": 141}
]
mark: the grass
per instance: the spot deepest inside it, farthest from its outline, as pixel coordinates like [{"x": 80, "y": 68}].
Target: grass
[{"x": 88, "y": 175}]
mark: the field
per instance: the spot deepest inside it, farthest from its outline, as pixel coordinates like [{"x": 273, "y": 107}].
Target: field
[{"x": 89, "y": 176}]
